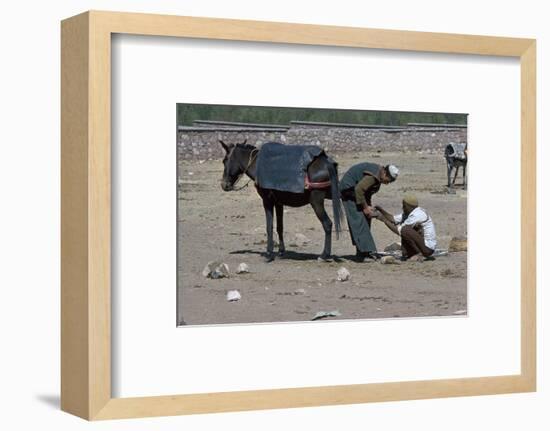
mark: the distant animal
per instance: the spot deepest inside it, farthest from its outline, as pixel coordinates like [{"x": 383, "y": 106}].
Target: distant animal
[
  {"x": 456, "y": 156},
  {"x": 322, "y": 183}
]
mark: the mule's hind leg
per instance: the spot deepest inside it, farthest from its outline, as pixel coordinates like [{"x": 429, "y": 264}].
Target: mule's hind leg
[
  {"x": 465, "y": 177},
  {"x": 279, "y": 211},
  {"x": 449, "y": 170},
  {"x": 318, "y": 204},
  {"x": 268, "y": 207},
  {"x": 456, "y": 174}
]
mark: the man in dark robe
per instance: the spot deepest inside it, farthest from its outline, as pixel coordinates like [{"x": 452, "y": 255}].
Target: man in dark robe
[{"x": 357, "y": 187}]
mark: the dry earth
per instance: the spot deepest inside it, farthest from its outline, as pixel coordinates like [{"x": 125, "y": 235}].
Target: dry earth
[{"x": 229, "y": 226}]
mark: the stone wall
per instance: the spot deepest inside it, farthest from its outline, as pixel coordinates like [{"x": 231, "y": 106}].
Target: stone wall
[
  {"x": 204, "y": 145},
  {"x": 195, "y": 144}
]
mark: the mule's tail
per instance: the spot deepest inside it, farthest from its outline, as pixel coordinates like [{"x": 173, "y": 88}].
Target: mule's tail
[{"x": 336, "y": 201}]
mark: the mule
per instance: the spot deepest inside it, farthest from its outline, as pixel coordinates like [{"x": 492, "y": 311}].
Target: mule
[
  {"x": 456, "y": 157},
  {"x": 240, "y": 159}
]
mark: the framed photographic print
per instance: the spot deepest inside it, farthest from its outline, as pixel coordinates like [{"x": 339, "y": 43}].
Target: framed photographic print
[
  {"x": 266, "y": 215},
  {"x": 283, "y": 153}
]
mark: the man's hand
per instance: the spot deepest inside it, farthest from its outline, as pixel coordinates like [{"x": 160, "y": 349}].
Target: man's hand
[
  {"x": 389, "y": 223},
  {"x": 368, "y": 211}
]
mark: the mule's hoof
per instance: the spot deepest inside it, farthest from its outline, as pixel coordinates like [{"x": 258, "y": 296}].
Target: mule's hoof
[
  {"x": 269, "y": 258},
  {"x": 324, "y": 259},
  {"x": 281, "y": 253}
]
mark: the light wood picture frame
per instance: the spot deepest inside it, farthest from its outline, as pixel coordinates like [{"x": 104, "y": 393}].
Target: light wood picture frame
[{"x": 86, "y": 213}]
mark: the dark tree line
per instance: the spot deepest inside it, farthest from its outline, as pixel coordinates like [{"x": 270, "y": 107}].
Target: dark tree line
[{"x": 187, "y": 113}]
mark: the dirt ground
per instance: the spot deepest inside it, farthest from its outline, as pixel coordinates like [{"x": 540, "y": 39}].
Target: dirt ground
[{"x": 230, "y": 227}]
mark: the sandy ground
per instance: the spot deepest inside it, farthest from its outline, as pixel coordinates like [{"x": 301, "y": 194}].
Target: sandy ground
[{"x": 229, "y": 226}]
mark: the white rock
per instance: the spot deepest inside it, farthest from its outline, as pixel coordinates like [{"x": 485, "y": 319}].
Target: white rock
[
  {"x": 460, "y": 312},
  {"x": 233, "y": 295},
  {"x": 388, "y": 260},
  {"x": 323, "y": 314},
  {"x": 299, "y": 240},
  {"x": 343, "y": 274},
  {"x": 215, "y": 269},
  {"x": 242, "y": 268},
  {"x": 301, "y": 237}
]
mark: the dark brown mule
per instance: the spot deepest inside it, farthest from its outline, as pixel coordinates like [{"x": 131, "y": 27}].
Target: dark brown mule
[{"x": 240, "y": 160}]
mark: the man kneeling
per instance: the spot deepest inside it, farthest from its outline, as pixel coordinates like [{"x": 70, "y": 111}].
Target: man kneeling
[{"x": 415, "y": 227}]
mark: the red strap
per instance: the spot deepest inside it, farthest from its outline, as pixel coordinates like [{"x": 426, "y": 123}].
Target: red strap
[{"x": 321, "y": 185}]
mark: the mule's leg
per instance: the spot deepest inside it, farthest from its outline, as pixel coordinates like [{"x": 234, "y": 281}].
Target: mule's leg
[
  {"x": 456, "y": 174},
  {"x": 449, "y": 170},
  {"x": 279, "y": 211},
  {"x": 318, "y": 204},
  {"x": 268, "y": 207},
  {"x": 464, "y": 176}
]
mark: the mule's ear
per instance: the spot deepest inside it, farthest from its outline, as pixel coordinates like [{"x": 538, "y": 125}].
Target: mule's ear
[
  {"x": 225, "y": 147},
  {"x": 245, "y": 141}
]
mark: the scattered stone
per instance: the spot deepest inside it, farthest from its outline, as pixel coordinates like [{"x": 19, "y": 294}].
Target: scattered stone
[
  {"x": 416, "y": 258},
  {"x": 300, "y": 292},
  {"x": 215, "y": 269},
  {"x": 243, "y": 268},
  {"x": 460, "y": 312},
  {"x": 323, "y": 314},
  {"x": 458, "y": 243},
  {"x": 343, "y": 274},
  {"x": 388, "y": 260},
  {"x": 394, "y": 246},
  {"x": 233, "y": 295},
  {"x": 299, "y": 240}
]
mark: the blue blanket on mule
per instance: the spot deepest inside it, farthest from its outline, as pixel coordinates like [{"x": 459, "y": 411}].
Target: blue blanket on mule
[{"x": 284, "y": 167}]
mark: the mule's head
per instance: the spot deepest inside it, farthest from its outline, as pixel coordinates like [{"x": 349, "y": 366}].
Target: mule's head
[{"x": 233, "y": 166}]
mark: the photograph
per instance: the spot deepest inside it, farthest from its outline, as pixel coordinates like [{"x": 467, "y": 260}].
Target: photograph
[{"x": 304, "y": 214}]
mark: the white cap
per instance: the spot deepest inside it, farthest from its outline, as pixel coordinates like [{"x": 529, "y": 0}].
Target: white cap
[{"x": 393, "y": 171}]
